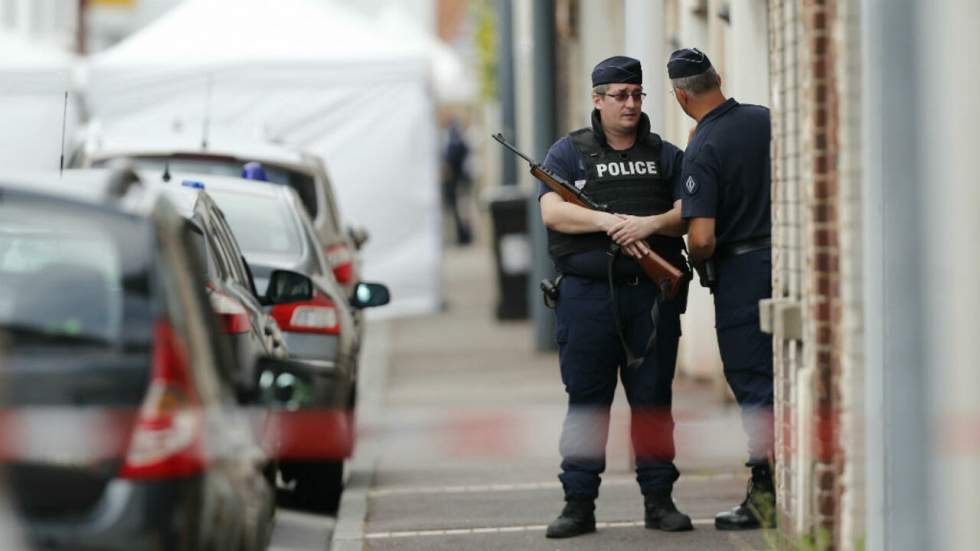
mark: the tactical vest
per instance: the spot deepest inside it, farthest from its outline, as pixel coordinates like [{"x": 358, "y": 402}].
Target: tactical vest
[{"x": 628, "y": 182}]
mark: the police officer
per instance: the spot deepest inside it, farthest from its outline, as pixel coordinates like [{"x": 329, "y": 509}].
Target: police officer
[
  {"x": 605, "y": 299},
  {"x": 726, "y": 200}
]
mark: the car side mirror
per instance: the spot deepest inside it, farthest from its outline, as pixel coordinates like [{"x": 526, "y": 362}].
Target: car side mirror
[
  {"x": 286, "y": 286},
  {"x": 369, "y": 295},
  {"x": 359, "y": 235}
]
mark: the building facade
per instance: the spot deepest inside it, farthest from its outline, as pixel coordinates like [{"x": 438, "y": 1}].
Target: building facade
[{"x": 874, "y": 223}]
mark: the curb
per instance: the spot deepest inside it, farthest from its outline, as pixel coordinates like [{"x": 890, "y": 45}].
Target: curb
[{"x": 348, "y": 534}]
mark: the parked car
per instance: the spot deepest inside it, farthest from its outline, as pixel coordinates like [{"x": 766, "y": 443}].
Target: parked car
[
  {"x": 230, "y": 286},
  {"x": 122, "y": 429},
  {"x": 303, "y": 172},
  {"x": 319, "y": 329}
]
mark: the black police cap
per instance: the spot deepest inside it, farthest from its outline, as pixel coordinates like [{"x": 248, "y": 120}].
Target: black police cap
[
  {"x": 617, "y": 70},
  {"x": 687, "y": 62}
]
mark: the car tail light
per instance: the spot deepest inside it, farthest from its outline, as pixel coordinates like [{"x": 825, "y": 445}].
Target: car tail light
[
  {"x": 342, "y": 262},
  {"x": 318, "y": 315},
  {"x": 233, "y": 316},
  {"x": 167, "y": 440}
]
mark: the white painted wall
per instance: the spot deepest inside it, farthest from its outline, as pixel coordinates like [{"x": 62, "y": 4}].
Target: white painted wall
[
  {"x": 601, "y": 35},
  {"x": 49, "y": 21},
  {"x": 748, "y": 61}
]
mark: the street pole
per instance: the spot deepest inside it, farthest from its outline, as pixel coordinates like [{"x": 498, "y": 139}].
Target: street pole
[
  {"x": 505, "y": 86},
  {"x": 543, "y": 66},
  {"x": 80, "y": 30}
]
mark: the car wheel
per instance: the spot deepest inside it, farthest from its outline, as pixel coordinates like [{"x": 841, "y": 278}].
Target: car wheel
[{"x": 319, "y": 485}]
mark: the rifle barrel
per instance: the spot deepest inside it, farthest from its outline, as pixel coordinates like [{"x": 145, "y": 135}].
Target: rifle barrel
[{"x": 500, "y": 138}]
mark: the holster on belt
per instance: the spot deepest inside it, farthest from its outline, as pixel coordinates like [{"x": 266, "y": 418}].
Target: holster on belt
[
  {"x": 706, "y": 273},
  {"x": 549, "y": 291}
]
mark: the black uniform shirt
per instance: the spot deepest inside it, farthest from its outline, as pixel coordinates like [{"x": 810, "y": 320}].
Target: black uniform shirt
[
  {"x": 565, "y": 161},
  {"x": 726, "y": 173}
]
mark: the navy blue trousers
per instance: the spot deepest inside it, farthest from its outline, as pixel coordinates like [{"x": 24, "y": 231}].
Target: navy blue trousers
[
  {"x": 591, "y": 357},
  {"x": 746, "y": 352}
]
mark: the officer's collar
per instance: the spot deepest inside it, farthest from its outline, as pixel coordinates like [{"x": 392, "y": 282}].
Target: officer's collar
[
  {"x": 642, "y": 129},
  {"x": 725, "y": 107}
]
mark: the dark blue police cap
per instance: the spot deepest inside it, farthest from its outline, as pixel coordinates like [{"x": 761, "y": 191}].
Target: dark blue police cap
[
  {"x": 618, "y": 69},
  {"x": 687, "y": 62}
]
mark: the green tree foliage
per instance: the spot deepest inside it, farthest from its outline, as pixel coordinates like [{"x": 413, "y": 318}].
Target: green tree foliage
[{"x": 486, "y": 46}]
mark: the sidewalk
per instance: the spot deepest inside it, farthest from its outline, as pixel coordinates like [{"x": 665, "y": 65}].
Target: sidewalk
[{"x": 459, "y": 443}]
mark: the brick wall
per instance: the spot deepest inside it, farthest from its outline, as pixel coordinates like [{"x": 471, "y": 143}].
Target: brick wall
[
  {"x": 816, "y": 262},
  {"x": 822, "y": 300},
  {"x": 785, "y": 67}
]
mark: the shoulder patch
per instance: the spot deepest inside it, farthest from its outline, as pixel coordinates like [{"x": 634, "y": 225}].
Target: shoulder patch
[{"x": 691, "y": 185}]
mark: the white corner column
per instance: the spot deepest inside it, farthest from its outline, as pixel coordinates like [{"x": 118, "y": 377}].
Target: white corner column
[
  {"x": 948, "y": 44},
  {"x": 646, "y": 40},
  {"x": 897, "y": 386}
]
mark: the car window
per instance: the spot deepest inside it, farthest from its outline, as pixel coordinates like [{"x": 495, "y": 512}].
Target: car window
[
  {"x": 260, "y": 224},
  {"x": 224, "y": 234},
  {"x": 304, "y": 184},
  {"x": 217, "y": 262},
  {"x": 331, "y": 203},
  {"x": 74, "y": 273},
  {"x": 314, "y": 240},
  {"x": 190, "y": 315},
  {"x": 198, "y": 245}
]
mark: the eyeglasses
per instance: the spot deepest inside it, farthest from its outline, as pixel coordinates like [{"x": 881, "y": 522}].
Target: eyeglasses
[{"x": 622, "y": 95}]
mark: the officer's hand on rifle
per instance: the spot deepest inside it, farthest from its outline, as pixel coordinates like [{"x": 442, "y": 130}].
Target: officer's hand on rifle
[
  {"x": 637, "y": 249},
  {"x": 608, "y": 220}
]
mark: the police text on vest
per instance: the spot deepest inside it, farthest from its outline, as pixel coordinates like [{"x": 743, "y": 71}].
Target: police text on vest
[{"x": 626, "y": 168}]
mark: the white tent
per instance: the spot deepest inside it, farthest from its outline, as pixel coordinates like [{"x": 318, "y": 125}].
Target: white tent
[
  {"x": 319, "y": 78},
  {"x": 33, "y": 82},
  {"x": 453, "y": 83}
]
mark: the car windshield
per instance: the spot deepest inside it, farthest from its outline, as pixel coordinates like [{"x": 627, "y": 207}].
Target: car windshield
[
  {"x": 301, "y": 182},
  {"x": 261, "y": 224},
  {"x": 72, "y": 275}
]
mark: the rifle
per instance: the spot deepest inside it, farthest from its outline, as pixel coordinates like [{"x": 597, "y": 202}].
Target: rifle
[{"x": 667, "y": 277}]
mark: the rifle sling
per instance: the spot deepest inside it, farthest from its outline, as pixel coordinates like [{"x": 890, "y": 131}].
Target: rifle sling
[{"x": 632, "y": 361}]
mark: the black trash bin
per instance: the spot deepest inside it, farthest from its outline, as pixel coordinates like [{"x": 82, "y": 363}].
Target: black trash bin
[{"x": 512, "y": 250}]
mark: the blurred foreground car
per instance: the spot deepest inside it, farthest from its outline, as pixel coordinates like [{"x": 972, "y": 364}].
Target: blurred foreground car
[
  {"x": 317, "y": 321},
  {"x": 303, "y": 172},
  {"x": 121, "y": 429}
]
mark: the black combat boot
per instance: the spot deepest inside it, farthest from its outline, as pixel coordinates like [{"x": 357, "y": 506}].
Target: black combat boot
[
  {"x": 759, "y": 507},
  {"x": 661, "y": 513},
  {"x": 577, "y": 518}
]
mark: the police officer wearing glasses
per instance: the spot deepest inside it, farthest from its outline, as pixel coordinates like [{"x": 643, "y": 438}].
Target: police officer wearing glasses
[
  {"x": 726, "y": 187},
  {"x": 607, "y": 309}
]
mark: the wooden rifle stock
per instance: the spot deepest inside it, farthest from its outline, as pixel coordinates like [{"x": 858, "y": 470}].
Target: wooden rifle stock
[{"x": 667, "y": 277}]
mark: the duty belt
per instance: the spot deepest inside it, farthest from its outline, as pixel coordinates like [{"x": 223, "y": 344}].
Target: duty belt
[{"x": 743, "y": 247}]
